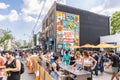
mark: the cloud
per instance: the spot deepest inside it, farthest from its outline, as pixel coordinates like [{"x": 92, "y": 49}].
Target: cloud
[
  {"x": 97, "y": 9},
  {"x": 33, "y": 7},
  {"x": 110, "y": 11},
  {"x": 107, "y": 8},
  {"x": 4, "y": 6},
  {"x": 30, "y": 8},
  {"x": 27, "y": 18},
  {"x": 111, "y": 4},
  {"x": 13, "y": 16},
  {"x": 2, "y": 17}
]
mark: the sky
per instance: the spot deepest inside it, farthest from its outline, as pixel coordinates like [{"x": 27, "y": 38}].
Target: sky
[{"x": 19, "y": 16}]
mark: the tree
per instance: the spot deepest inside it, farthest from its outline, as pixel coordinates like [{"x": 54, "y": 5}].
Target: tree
[
  {"x": 115, "y": 22},
  {"x": 4, "y": 40},
  {"x": 18, "y": 44},
  {"x": 35, "y": 39},
  {"x": 6, "y": 36}
]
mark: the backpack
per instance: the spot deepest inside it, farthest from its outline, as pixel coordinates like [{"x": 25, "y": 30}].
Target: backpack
[{"x": 22, "y": 66}]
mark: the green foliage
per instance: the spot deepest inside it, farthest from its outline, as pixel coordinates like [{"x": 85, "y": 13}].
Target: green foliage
[
  {"x": 26, "y": 46},
  {"x": 35, "y": 39},
  {"x": 115, "y": 22},
  {"x": 6, "y": 36},
  {"x": 18, "y": 44}
]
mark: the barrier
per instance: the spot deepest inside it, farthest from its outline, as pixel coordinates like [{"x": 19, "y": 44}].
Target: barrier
[
  {"x": 40, "y": 71},
  {"x": 37, "y": 72},
  {"x": 28, "y": 62},
  {"x": 47, "y": 76},
  {"x": 31, "y": 67}
]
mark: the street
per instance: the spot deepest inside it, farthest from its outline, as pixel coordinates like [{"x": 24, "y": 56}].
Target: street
[
  {"x": 66, "y": 39},
  {"x": 27, "y": 76},
  {"x": 105, "y": 76}
]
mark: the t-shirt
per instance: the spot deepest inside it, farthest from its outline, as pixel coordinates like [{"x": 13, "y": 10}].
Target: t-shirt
[
  {"x": 96, "y": 57},
  {"x": 2, "y": 62},
  {"x": 102, "y": 58},
  {"x": 66, "y": 58},
  {"x": 115, "y": 59}
]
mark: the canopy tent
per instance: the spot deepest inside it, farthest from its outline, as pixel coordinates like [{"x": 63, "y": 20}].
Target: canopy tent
[
  {"x": 73, "y": 47},
  {"x": 117, "y": 46}
]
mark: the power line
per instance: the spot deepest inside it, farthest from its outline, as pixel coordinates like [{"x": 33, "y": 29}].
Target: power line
[
  {"x": 32, "y": 33},
  {"x": 39, "y": 16}
]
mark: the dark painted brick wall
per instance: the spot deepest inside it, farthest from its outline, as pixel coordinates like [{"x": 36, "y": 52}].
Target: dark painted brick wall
[{"x": 92, "y": 25}]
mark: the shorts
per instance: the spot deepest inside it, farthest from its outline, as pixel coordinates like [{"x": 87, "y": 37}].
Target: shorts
[{"x": 115, "y": 69}]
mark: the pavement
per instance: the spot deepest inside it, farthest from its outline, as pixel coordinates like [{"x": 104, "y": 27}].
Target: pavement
[
  {"x": 25, "y": 75},
  {"x": 105, "y": 76}
]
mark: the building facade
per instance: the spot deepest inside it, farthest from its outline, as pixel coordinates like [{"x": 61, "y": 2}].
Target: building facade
[{"x": 67, "y": 26}]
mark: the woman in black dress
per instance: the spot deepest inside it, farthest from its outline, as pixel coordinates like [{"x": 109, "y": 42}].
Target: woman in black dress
[{"x": 72, "y": 59}]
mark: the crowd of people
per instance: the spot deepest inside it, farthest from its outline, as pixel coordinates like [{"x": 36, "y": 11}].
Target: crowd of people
[
  {"x": 10, "y": 66},
  {"x": 92, "y": 61}
]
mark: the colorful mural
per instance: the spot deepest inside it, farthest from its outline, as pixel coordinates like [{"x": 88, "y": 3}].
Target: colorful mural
[{"x": 67, "y": 29}]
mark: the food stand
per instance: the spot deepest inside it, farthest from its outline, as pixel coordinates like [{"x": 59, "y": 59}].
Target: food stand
[{"x": 80, "y": 74}]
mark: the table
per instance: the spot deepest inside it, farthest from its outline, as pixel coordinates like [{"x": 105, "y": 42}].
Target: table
[{"x": 81, "y": 74}]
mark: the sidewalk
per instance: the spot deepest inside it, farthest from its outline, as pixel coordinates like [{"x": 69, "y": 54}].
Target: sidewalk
[
  {"x": 109, "y": 71},
  {"x": 26, "y": 75}
]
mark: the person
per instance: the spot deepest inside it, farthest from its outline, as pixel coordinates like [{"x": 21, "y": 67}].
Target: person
[
  {"x": 95, "y": 56},
  {"x": 13, "y": 66},
  {"x": 66, "y": 58},
  {"x": 2, "y": 63},
  {"x": 55, "y": 68},
  {"x": 78, "y": 61},
  {"x": 72, "y": 59},
  {"x": 115, "y": 64},
  {"x": 62, "y": 52},
  {"x": 101, "y": 61},
  {"x": 15, "y": 54},
  {"x": 87, "y": 63}
]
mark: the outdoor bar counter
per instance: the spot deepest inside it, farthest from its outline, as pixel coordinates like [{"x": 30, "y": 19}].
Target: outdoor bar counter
[
  {"x": 70, "y": 72},
  {"x": 80, "y": 74}
]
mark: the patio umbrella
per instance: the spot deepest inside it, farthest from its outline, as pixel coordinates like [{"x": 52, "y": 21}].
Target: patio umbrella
[
  {"x": 104, "y": 45},
  {"x": 73, "y": 47},
  {"x": 117, "y": 46},
  {"x": 87, "y": 46}
]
